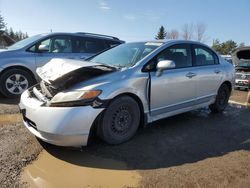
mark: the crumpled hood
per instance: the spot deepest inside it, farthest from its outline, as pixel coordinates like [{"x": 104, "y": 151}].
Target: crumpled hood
[
  {"x": 56, "y": 68},
  {"x": 63, "y": 73}
]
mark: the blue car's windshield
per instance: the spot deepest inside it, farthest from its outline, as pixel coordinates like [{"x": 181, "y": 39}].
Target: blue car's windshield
[
  {"x": 126, "y": 55},
  {"x": 24, "y": 42}
]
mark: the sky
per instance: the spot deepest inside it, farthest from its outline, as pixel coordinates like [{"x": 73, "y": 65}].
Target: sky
[{"x": 130, "y": 20}]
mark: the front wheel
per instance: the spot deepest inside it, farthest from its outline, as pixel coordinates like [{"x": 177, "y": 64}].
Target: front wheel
[
  {"x": 14, "y": 82},
  {"x": 222, "y": 98},
  {"x": 120, "y": 120}
]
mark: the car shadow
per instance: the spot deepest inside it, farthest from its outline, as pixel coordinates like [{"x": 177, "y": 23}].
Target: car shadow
[
  {"x": 185, "y": 138},
  {"x": 4, "y": 100}
]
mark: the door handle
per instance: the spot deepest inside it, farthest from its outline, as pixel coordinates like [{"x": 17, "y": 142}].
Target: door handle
[
  {"x": 217, "y": 71},
  {"x": 190, "y": 75}
]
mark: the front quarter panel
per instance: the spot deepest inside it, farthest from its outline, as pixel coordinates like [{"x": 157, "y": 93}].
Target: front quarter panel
[{"x": 130, "y": 81}]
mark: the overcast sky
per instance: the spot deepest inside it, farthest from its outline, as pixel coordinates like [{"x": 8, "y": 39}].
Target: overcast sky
[{"x": 130, "y": 20}]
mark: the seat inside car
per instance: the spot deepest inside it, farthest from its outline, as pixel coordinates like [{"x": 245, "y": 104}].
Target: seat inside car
[
  {"x": 179, "y": 59},
  {"x": 200, "y": 59}
]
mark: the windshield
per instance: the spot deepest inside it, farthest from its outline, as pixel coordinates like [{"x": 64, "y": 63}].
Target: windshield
[
  {"x": 24, "y": 42},
  {"x": 126, "y": 55}
]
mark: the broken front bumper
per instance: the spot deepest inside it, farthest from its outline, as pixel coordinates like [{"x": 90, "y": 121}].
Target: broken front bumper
[{"x": 63, "y": 126}]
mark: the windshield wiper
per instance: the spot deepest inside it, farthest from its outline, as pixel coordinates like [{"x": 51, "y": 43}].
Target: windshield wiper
[{"x": 110, "y": 66}]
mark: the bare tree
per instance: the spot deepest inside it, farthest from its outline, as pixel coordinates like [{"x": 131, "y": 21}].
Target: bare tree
[
  {"x": 187, "y": 31},
  {"x": 200, "y": 32},
  {"x": 173, "y": 34}
]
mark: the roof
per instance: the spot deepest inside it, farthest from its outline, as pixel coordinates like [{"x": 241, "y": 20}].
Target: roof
[{"x": 94, "y": 35}]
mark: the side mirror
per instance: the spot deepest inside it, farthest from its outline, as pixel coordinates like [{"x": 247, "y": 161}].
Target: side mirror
[
  {"x": 164, "y": 65},
  {"x": 43, "y": 48}
]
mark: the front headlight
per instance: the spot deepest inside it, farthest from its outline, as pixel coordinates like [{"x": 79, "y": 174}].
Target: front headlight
[{"x": 73, "y": 97}]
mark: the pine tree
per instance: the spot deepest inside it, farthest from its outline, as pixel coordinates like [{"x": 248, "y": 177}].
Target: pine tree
[
  {"x": 161, "y": 33},
  {"x": 2, "y": 23},
  {"x": 11, "y": 33}
]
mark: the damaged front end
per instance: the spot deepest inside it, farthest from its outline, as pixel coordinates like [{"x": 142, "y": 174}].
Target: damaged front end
[
  {"x": 54, "y": 89},
  {"x": 241, "y": 59}
]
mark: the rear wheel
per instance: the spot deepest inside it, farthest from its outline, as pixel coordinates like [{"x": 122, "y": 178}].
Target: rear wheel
[
  {"x": 14, "y": 82},
  {"x": 222, "y": 98},
  {"x": 120, "y": 121}
]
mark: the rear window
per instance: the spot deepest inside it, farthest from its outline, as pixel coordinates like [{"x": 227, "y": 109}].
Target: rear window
[{"x": 88, "y": 45}]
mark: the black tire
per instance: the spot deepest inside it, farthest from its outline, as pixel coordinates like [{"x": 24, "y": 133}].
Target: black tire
[
  {"x": 120, "y": 121},
  {"x": 222, "y": 98},
  {"x": 16, "y": 79}
]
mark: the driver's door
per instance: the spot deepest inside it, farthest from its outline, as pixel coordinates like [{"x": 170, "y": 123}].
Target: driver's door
[
  {"x": 174, "y": 89},
  {"x": 54, "y": 47}
]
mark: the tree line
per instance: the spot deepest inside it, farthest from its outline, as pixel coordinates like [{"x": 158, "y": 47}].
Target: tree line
[
  {"x": 197, "y": 32},
  {"x": 16, "y": 35},
  {"x": 188, "y": 32}
]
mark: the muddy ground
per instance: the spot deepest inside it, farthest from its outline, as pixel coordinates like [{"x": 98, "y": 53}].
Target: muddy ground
[{"x": 195, "y": 149}]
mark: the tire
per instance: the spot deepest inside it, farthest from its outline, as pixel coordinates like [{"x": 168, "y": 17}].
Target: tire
[
  {"x": 15, "y": 81},
  {"x": 221, "y": 101},
  {"x": 119, "y": 121}
]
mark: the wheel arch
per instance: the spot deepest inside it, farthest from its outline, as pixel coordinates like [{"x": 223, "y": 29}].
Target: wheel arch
[
  {"x": 229, "y": 84},
  {"x": 143, "y": 117},
  {"x": 19, "y": 67}
]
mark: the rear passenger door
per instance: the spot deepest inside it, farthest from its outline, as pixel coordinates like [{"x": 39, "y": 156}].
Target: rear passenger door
[
  {"x": 84, "y": 47},
  {"x": 209, "y": 74}
]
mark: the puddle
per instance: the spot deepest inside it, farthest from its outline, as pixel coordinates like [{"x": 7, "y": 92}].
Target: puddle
[
  {"x": 48, "y": 171},
  {"x": 239, "y": 105},
  {"x": 10, "y": 118}
]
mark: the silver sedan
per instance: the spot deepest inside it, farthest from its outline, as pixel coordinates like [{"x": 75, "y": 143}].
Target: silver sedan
[{"x": 115, "y": 92}]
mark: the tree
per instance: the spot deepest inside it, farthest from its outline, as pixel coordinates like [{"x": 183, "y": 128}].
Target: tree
[
  {"x": 216, "y": 45},
  {"x": 242, "y": 45},
  {"x": 200, "y": 32},
  {"x": 11, "y": 33},
  {"x": 187, "y": 31},
  {"x": 224, "y": 48},
  {"x": 229, "y": 46},
  {"x": 161, "y": 33},
  {"x": 2, "y": 23},
  {"x": 173, "y": 34}
]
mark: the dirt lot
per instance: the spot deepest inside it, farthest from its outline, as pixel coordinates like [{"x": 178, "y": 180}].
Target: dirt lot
[{"x": 195, "y": 149}]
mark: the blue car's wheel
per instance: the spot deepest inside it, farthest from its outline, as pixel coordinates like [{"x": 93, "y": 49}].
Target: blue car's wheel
[{"x": 14, "y": 82}]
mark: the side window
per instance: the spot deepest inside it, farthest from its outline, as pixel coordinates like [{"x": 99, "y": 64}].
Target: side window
[
  {"x": 94, "y": 45},
  {"x": 204, "y": 56},
  {"x": 56, "y": 45},
  {"x": 180, "y": 54},
  {"x": 87, "y": 45}
]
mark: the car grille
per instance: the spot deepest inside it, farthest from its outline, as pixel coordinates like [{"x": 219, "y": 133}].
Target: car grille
[{"x": 242, "y": 76}]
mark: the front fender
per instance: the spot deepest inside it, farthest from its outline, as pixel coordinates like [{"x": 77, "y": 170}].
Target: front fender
[{"x": 134, "y": 86}]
